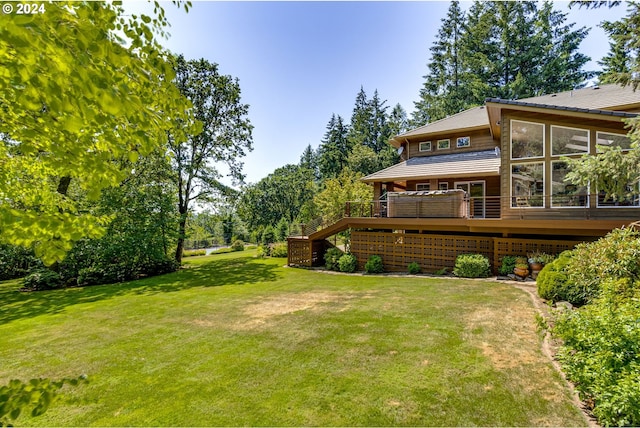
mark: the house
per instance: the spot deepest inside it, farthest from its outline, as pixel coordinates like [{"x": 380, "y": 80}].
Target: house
[{"x": 490, "y": 180}]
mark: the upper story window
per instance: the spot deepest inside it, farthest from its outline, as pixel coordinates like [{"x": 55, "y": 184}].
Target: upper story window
[
  {"x": 425, "y": 146},
  {"x": 423, "y": 186},
  {"x": 527, "y": 139},
  {"x": 444, "y": 144},
  {"x": 527, "y": 185},
  {"x": 463, "y": 142},
  {"x": 568, "y": 141},
  {"x": 607, "y": 139}
]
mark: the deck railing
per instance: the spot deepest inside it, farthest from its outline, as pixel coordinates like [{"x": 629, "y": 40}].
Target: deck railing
[{"x": 488, "y": 207}]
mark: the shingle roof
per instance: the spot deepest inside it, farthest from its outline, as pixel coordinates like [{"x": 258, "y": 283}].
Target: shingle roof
[
  {"x": 466, "y": 164},
  {"x": 473, "y": 118},
  {"x": 603, "y": 97}
]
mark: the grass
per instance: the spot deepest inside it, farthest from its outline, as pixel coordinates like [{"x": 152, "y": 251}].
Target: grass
[{"x": 235, "y": 340}]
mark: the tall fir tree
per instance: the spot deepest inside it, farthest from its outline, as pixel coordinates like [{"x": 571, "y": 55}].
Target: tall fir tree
[
  {"x": 360, "y": 129},
  {"x": 334, "y": 148},
  {"x": 443, "y": 92}
]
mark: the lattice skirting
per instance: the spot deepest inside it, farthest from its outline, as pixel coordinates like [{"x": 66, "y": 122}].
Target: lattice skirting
[
  {"x": 303, "y": 252},
  {"x": 434, "y": 252}
]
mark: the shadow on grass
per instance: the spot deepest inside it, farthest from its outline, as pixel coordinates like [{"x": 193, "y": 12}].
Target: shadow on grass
[{"x": 223, "y": 272}]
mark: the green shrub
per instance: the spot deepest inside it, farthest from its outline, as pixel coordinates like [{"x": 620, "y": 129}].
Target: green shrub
[
  {"x": 16, "y": 262},
  {"x": 42, "y": 279},
  {"x": 193, "y": 253},
  {"x": 331, "y": 257},
  {"x": 507, "y": 264},
  {"x": 237, "y": 245},
  {"x": 472, "y": 266},
  {"x": 374, "y": 264},
  {"x": 268, "y": 236},
  {"x": 414, "y": 268},
  {"x": 92, "y": 275},
  {"x": 553, "y": 282},
  {"x": 601, "y": 352},
  {"x": 278, "y": 249},
  {"x": 347, "y": 263},
  {"x": 262, "y": 252}
]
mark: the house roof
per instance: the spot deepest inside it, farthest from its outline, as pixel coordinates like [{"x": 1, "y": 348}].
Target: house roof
[
  {"x": 465, "y": 164},
  {"x": 474, "y": 118},
  {"x": 606, "y": 100}
]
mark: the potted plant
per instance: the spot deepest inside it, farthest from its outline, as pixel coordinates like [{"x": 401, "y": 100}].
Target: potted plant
[
  {"x": 521, "y": 268},
  {"x": 535, "y": 260}
]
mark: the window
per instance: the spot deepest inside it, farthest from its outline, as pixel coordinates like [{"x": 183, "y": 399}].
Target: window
[
  {"x": 443, "y": 185},
  {"x": 463, "y": 142},
  {"x": 423, "y": 186},
  {"x": 607, "y": 139},
  {"x": 564, "y": 194},
  {"x": 425, "y": 146},
  {"x": 567, "y": 141},
  {"x": 443, "y": 144},
  {"x": 527, "y": 139},
  {"x": 633, "y": 200},
  {"x": 527, "y": 185}
]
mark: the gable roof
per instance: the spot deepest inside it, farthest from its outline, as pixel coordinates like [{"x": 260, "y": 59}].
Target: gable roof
[
  {"x": 467, "y": 164},
  {"x": 603, "y": 100}
]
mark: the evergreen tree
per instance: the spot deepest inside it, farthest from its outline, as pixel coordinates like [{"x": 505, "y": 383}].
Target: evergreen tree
[
  {"x": 309, "y": 160},
  {"x": 398, "y": 121},
  {"x": 361, "y": 120},
  {"x": 378, "y": 127},
  {"x": 622, "y": 63},
  {"x": 443, "y": 92},
  {"x": 334, "y": 148}
]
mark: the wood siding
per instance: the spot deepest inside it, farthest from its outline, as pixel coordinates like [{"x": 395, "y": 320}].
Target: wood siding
[{"x": 480, "y": 140}]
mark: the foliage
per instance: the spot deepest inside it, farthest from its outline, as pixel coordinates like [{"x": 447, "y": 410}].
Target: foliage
[
  {"x": 507, "y": 264},
  {"x": 268, "y": 236},
  {"x": 84, "y": 86},
  {"x": 500, "y": 49},
  {"x": 334, "y": 148},
  {"x": 414, "y": 268},
  {"x": 237, "y": 245},
  {"x": 42, "y": 279},
  {"x": 224, "y": 138},
  {"x": 601, "y": 352},
  {"x": 553, "y": 282},
  {"x": 279, "y": 197},
  {"x": 16, "y": 262},
  {"x": 36, "y": 395},
  {"x": 472, "y": 266},
  {"x": 374, "y": 264},
  {"x": 346, "y": 188},
  {"x": 278, "y": 249},
  {"x": 193, "y": 253},
  {"x": 332, "y": 257},
  {"x": 348, "y": 263}
]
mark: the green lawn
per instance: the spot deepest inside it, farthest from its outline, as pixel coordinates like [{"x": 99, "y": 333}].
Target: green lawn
[{"x": 235, "y": 340}]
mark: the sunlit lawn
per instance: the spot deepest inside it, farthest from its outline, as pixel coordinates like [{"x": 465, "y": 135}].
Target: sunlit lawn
[{"x": 235, "y": 340}]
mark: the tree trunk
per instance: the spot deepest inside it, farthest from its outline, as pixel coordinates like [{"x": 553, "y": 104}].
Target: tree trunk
[{"x": 182, "y": 230}]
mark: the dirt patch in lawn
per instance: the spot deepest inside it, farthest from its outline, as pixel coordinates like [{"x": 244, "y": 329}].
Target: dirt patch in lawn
[{"x": 270, "y": 309}]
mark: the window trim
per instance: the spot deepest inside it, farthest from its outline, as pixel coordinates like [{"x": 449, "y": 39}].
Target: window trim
[
  {"x": 468, "y": 139},
  {"x": 588, "y": 131},
  {"x": 448, "y": 140},
  {"x": 443, "y": 185},
  {"x": 420, "y": 146},
  {"x": 544, "y": 139},
  {"x": 423, "y": 184},
  {"x": 544, "y": 186},
  {"x": 552, "y": 205}
]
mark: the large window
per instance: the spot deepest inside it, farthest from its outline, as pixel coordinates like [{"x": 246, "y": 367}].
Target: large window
[
  {"x": 527, "y": 139},
  {"x": 568, "y": 141},
  {"x": 527, "y": 185},
  {"x": 565, "y": 194},
  {"x": 607, "y": 139},
  {"x": 632, "y": 200}
]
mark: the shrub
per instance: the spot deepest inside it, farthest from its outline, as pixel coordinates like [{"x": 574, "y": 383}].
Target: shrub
[
  {"x": 374, "y": 264},
  {"x": 472, "y": 266},
  {"x": 237, "y": 245},
  {"x": 348, "y": 263},
  {"x": 414, "y": 268},
  {"x": 268, "y": 236},
  {"x": 507, "y": 264},
  {"x": 16, "y": 262},
  {"x": 553, "y": 282},
  {"x": 262, "y": 252},
  {"x": 601, "y": 352},
  {"x": 159, "y": 267},
  {"x": 331, "y": 257},
  {"x": 91, "y": 276},
  {"x": 192, "y": 253},
  {"x": 278, "y": 249},
  {"x": 42, "y": 279}
]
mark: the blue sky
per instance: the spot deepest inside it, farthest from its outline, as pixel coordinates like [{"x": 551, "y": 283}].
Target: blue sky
[{"x": 299, "y": 62}]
